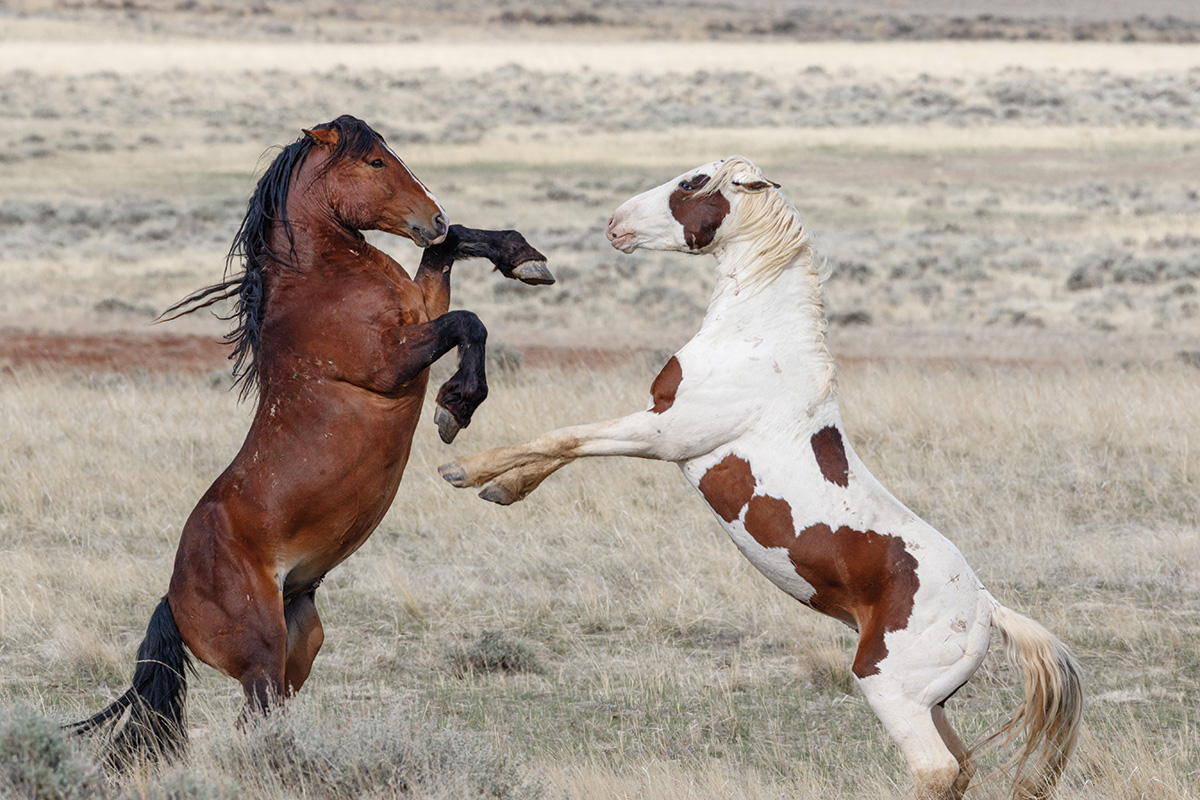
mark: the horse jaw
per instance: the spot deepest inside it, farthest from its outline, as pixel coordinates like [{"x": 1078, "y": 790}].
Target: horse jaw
[{"x": 640, "y": 222}]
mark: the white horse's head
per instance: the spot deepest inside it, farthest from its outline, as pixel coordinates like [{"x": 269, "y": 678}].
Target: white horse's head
[{"x": 696, "y": 212}]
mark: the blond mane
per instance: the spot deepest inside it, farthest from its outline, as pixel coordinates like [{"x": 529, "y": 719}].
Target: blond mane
[{"x": 772, "y": 224}]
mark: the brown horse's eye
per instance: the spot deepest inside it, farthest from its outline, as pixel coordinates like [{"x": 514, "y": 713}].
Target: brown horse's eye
[{"x": 378, "y": 163}]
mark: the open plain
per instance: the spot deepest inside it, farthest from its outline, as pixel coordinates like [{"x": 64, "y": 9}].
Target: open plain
[{"x": 1011, "y": 204}]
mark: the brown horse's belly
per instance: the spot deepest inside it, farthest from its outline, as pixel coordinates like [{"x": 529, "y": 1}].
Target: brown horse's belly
[{"x": 310, "y": 488}]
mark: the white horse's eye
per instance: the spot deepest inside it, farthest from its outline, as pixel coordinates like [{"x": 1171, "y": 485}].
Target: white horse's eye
[{"x": 693, "y": 183}]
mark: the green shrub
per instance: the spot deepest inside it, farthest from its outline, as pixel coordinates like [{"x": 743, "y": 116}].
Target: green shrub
[{"x": 38, "y": 762}]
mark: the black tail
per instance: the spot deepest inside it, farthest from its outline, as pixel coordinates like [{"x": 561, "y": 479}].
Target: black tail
[{"x": 155, "y": 726}]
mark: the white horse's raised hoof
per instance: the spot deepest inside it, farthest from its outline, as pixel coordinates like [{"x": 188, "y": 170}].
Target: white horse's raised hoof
[
  {"x": 495, "y": 493},
  {"x": 452, "y": 473}
]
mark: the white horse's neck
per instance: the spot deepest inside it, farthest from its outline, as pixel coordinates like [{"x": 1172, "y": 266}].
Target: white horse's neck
[{"x": 780, "y": 311}]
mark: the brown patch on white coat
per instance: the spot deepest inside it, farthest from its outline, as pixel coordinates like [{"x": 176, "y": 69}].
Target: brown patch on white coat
[
  {"x": 663, "y": 390},
  {"x": 862, "y": 578}
]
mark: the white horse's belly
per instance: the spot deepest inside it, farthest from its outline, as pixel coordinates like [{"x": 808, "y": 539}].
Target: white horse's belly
[{"x": 774, "y": 562}]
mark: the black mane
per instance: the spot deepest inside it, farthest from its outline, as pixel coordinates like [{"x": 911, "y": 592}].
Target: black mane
[{"x": 252, "y": 249}]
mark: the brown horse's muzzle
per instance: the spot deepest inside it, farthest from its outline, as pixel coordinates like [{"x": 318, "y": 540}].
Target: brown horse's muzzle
[{"x": 433, "y": 233}]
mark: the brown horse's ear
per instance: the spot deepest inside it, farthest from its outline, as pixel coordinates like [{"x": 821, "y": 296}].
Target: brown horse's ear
[{"x": 326, "y": 137}]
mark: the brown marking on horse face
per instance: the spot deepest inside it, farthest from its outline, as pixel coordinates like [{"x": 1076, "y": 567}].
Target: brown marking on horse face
[
  {"x": 830, "y": 451},
  {"x": 699, "y": 214},
  {"x": 665, "y": 385},
  {"x": 728, "y": 486}
]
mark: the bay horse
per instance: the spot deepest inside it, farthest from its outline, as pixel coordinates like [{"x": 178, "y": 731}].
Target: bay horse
[
  {"x": 748, "y": 409},
  {"x": 337, "y": 339}
]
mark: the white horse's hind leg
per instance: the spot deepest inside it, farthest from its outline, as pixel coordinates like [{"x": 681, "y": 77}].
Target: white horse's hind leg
[
  {"x": 966, "y": 768},
  {"x": 935, "y": 769}
]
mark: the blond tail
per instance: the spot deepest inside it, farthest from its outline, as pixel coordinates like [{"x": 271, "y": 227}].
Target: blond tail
[{"x": 1050, "y": 714}]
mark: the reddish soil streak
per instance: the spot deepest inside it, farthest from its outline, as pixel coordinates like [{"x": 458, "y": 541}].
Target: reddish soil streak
[{"x": 112, "y": 352}]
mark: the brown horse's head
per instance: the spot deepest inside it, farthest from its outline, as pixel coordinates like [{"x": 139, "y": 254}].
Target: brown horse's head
[
  {"x": 341, "y": 171},
  {"x": 367, "y": 185}
]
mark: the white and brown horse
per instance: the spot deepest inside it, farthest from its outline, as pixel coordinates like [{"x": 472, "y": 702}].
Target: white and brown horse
[{"x": 749, "y": 411}]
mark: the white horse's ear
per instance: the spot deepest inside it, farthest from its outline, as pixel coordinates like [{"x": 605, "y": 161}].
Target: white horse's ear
[{"x": 753, "y": 183}]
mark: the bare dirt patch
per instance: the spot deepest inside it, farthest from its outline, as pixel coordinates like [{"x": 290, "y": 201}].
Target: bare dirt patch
[{"x": 111, "y": 352}]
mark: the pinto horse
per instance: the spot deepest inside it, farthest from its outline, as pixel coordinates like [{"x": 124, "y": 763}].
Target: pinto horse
[
  {"x": 748, "y": 409},
  {"x": 338, "y": 340}
]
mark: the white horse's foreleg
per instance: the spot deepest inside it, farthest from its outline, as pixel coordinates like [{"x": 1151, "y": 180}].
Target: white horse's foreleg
[{"x": 513, "y": 472}]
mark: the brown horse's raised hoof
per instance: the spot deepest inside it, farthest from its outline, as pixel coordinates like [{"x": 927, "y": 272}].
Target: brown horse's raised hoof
[
  {"x": 495, "y": 493},
  {"x": 447, "y": 425},
  {"x": 454, "y": 474},
  {"x": 534, "y": 273}
]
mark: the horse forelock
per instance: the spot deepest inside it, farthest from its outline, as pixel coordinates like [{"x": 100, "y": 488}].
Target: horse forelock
[{"x": 355, "y": 140}]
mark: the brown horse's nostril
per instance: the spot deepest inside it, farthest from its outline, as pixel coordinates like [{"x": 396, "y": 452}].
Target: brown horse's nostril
[{"x": 439, "y": 225}]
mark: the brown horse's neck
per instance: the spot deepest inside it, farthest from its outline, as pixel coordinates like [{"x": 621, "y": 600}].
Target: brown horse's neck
[{"x": 320, "y": 240}]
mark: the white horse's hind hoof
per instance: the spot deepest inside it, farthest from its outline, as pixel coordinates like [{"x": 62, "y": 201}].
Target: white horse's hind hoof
[
  {"x": 533, "y": 272},
  {"x": 495, "y": 493},
  {"x": 447, "y": 426}
]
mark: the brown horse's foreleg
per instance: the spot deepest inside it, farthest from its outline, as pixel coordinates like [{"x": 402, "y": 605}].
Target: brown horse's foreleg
[
  {"x": 304, "y": 639},
  {"x": 507, "y": 250},
  {"x": 416, "y": 347}
]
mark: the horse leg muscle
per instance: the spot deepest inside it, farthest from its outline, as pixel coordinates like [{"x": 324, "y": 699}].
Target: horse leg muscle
[
  {"x": 230, "y": 614},
  {"x": 513, "y": 472},
  {"x": 304, "y": 639}
]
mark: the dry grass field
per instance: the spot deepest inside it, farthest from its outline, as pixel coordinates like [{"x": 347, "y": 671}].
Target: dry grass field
[{"x": 1013, "y": 214}]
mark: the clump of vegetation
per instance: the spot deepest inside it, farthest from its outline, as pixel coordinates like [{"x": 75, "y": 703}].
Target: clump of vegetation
[
  {"x": 185, "y": 784},
  {"x": 295, "y": 754},
  {"x": 495, "y": 651},
  {"x": 39, "y": 763}
]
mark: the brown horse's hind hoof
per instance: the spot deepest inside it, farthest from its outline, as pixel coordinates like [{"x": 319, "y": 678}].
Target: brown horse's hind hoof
[
  {"x": 533, "y": 272},
  {"x": 495, "y": 493},
  {"x": 454, "y": 474},
  {"x": 448, "y": 427}
]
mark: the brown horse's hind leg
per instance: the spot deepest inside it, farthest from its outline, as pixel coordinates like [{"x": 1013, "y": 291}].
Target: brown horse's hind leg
[
  {"x": 304, "y": 638},
  {"x": 230, "y": 613}
]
